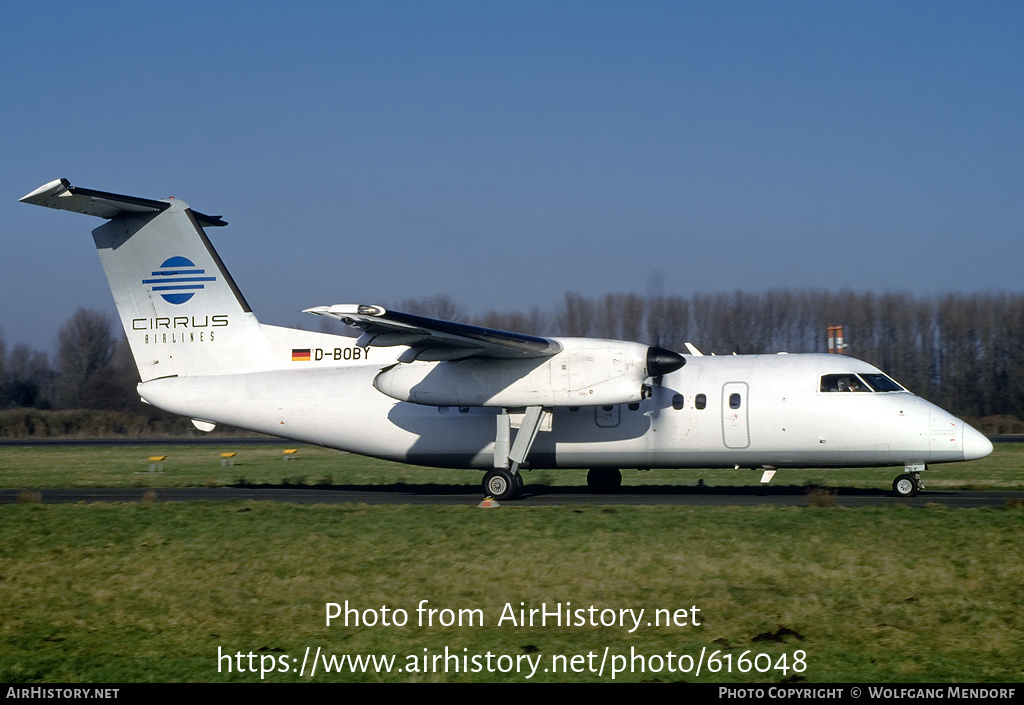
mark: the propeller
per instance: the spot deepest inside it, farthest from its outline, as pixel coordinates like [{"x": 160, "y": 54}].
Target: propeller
[{"x": 660, "y": 362}]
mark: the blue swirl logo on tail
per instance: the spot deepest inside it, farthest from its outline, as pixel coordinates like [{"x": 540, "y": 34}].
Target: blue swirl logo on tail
[{"x": 178, "y": 279}]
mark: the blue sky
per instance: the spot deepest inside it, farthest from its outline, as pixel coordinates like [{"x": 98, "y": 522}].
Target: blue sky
[{"x": 506, "y": 153}]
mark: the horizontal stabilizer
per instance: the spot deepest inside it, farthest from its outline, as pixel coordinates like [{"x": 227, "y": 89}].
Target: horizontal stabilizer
[
  {"x": 433, "y": 339},
  {"x": 60, "y": 194}
]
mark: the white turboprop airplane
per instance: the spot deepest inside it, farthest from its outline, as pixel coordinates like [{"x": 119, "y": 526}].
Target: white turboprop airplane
[{"x": 429, "y": 392}]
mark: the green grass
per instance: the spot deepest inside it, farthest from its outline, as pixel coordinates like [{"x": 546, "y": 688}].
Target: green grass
[
  {"x": 149, "y": 592},
  {"x": 200, "y": 465}
]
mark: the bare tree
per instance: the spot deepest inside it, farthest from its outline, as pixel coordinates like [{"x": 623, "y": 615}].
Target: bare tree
[
  {"x": 84, "y": 345},
  {"x": 28, "y": 379},
  {"x": 577, "y": 315},
  {"x": 533, "y": 322},
  {"x": 440, "y": 306},
  {"x": 113, "y": 385}
]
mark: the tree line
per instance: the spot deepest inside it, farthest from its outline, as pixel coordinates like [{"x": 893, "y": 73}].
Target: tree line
[
  {"x": 964, "y": 352},
  {"x": 91, "y": 368}
]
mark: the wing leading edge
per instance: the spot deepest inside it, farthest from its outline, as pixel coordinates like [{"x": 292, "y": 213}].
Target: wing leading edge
[{"x": 430, "y": 339}]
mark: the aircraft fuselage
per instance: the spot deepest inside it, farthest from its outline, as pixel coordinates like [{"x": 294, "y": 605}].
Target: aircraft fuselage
[{"x": 717, "y": 411}]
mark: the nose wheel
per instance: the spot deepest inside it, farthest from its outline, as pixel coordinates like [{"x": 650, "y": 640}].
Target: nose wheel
[{"x": 905, "y": 486}]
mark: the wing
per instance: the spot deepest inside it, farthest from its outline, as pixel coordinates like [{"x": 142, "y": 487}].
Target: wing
[{"x": 431, "y": 339}]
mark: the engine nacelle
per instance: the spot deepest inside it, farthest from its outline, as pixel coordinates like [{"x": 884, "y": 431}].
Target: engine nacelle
[{"x": 586, "y": 372}]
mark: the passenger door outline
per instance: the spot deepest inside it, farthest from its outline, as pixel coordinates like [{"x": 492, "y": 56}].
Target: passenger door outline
[{"x": 735, "y": 421}]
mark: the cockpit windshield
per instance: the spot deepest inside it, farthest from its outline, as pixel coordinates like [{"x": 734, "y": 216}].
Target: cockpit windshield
[
  {"x": 850, "y": 382},
  {"x": 882, "y": 383}
]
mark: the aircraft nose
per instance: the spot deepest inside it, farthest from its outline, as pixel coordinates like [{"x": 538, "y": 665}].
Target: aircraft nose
[{"x": 975, "y": 444}]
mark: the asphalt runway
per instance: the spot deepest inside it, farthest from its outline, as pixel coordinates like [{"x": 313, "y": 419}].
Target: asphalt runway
[{"x": 534, "y": 496}]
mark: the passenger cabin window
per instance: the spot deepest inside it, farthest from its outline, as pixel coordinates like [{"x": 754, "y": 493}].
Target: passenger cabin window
[
  {"x": 677, "y": 402},
  {"x": 734, "y": 401},
  {"x": 701, "y": 401},
  {"x": 849, "y": 382}
]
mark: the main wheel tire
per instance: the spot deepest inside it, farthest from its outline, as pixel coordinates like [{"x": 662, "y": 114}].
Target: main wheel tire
[
  {"x": 604, "y": 480},
  {"x": 905, "y": 486},
  {"x": 501, "y": 485}
]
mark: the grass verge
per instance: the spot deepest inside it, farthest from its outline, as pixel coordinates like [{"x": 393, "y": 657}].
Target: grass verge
[{"x": 155, "y": 592}]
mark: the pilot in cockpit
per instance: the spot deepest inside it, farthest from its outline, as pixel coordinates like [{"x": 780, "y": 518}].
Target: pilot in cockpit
[{"x": 849, "y": 384}]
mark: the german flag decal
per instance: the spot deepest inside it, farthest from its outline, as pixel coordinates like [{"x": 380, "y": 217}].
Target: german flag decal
[{"x": 300, "y": 355}]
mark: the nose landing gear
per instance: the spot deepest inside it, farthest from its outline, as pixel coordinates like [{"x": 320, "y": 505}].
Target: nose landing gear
[{"x": 907, "y": 484}]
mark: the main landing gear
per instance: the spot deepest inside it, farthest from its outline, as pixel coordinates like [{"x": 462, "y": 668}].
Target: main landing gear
[
  {"x": 502, "y": 484},
  {"x": 504, "y": 481},
  {"x": 907, "y": 484}
]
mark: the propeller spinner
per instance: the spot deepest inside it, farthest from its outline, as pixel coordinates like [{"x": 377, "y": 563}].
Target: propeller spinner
[{"x": 661, "y": 361}]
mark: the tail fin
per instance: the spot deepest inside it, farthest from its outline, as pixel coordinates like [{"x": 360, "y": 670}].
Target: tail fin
[{"x": 181, "y": 311}]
